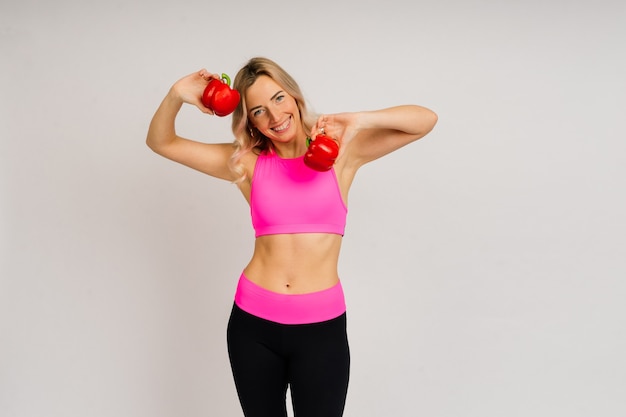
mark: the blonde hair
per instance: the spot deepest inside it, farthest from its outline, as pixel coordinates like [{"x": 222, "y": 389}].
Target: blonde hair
[{"x": 247, "y": 140}]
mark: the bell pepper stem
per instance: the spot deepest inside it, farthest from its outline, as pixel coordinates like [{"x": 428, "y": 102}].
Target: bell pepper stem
[{"x": 226, "y": 79}]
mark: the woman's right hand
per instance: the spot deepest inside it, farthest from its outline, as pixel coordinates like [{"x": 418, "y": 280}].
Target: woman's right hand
[{"x": 189, "y": 89}]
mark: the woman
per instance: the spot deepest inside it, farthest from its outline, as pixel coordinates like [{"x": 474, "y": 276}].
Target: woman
[{"x": 288, "y": 323}]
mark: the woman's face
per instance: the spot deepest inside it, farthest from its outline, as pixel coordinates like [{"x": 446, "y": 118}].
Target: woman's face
[{"x": 273, "y": 111}]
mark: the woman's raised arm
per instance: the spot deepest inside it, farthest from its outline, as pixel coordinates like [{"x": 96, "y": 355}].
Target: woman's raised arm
[
  {"x": 210, "y": 158},
  {"x": 368, "y": 135}
]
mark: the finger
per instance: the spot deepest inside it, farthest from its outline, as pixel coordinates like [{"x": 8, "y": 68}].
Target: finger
[
  {"x": 206, "y": 110},
  {"x": 208, "y": 76},
  {"x": 203, "y": 73},
  {"x": 319, "y": 127},
  {"x": 198, "y": 103}
]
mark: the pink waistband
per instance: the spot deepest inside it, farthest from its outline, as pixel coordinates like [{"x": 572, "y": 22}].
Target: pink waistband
[{"x": 312, "y": 307}]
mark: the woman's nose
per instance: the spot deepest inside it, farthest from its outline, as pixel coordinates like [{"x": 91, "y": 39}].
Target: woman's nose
[{"x": 273, "y": 113}]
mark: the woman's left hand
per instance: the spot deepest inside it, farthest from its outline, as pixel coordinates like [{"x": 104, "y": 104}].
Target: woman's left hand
[{"x": 342, "y": 127}]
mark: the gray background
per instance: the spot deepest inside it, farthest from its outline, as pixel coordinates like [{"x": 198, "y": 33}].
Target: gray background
[{"x": 484, "y": 265}]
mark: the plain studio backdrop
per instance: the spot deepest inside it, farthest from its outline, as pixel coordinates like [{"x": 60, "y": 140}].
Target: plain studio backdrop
[{"x": 484, "y": 265}]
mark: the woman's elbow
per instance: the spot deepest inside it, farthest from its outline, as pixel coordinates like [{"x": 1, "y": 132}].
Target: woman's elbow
[{"x": 428, "y": 120}]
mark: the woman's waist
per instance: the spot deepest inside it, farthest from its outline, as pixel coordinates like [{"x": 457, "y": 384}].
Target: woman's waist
[
  {"x": 292, "y": 279},
  {"x": 295, "y": 264}
]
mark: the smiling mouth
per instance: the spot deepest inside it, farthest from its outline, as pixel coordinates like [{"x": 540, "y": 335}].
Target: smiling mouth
[{"x": 282, "y": 127}]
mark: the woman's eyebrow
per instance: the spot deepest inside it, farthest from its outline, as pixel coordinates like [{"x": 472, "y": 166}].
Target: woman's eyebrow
[{"x": 272, "y": 98}]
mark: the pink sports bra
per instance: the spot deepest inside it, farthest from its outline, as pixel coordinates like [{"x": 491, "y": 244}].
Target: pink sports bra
[{"x": 289, "y": 197}]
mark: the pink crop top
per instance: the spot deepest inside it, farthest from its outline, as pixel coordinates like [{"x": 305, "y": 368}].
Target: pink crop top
[{"x": 289, "y": 197}]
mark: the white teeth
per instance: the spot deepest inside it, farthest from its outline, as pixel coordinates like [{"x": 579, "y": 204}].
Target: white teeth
[{"x": 282, "y": 127}]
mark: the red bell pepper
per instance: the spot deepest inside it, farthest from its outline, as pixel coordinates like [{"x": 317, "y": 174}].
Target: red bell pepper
[
  {"x": 219, "y": 97},
  {"x": 322, "y": 153}
]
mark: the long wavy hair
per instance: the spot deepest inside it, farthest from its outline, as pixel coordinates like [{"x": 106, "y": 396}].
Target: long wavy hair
[{"x": 247, "y": 138}]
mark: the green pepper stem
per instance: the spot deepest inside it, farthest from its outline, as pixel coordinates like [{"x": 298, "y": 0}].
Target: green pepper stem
[{"x": 226, "y": 78}]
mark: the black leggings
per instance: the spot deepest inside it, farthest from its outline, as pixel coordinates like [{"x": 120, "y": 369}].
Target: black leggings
[{"x": 266, "y": 357}]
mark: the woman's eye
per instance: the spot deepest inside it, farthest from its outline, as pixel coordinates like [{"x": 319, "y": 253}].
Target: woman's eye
[
  {"x": 257, "y": 113},
  {"x": 280, "y": 98}
]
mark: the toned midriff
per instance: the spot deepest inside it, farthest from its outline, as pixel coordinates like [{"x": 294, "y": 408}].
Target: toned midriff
[{"x": 295, "y": 263}]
